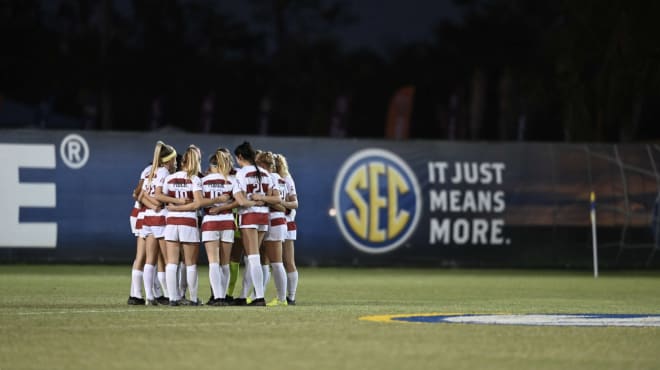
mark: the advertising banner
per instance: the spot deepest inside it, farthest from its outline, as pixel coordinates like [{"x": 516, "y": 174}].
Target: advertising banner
[{"x": 67, "y": 198}]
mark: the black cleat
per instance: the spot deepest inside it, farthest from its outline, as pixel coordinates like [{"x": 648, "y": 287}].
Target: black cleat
[
  {"x": 173, "y": 303},
  {"x": 290, "y": 302},
  {"x": 163, "y": 300},
  {"x": 217, "y": 302},
  {"x": 258, "y": 302},
  {"x": 195, "y": 303},
  {"x": 239, "y": 302},
  {"x": 228, "y": 298},
  {"x": 151, "y": 302},
  {"x": 211, "y": 299},
  {"x": 135, "y": 301}
]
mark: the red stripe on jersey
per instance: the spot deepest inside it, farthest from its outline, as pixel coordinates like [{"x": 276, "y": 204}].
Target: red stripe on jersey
[
  {"x": 155, "y": 221},
  {"x": 185, "y": 221},
  {"x": 138, "y": 223},
  {"x": 278, "y": 221},
  {"x": 218, "y": 225},
  {"x": 291, "y": 225},
  {"x": 254, "y": 219},
  {"x": 134, "y": 212},
  {"x": 216, "y": 181}
]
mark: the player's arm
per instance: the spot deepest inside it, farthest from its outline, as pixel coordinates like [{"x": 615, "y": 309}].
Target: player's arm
[
  {"x": 291, "y": 202},
  {"x": 272, "y": 198},
  {"x": 211, "y": 201},
  {"x": 224, "y": 207},
  {"x": 166, "y": 198},
  {"x": 138, "y": 189},
  {"x": 192, "y": 206}
]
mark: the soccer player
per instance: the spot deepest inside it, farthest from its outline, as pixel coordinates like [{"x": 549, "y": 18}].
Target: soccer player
[
  {"x": 153, "y": 226},
  {"x": 272, "y": 243},
  {"x": 136, "y": 218},
  {"x": 218, "y": 222},
  {"x": 253, "y": 214},
  {"x": 288, "y": 250},
  {"x": 182, "y": 192}
]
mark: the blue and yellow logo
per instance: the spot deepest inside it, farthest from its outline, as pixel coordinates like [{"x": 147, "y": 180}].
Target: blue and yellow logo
[{"x": 377, "y": 201}]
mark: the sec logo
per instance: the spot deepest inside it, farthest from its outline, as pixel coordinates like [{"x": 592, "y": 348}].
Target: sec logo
[{"x": 377, "y": 201}]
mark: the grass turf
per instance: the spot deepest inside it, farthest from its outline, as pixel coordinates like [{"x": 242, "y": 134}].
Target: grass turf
[{"x": 76, "y": 317}]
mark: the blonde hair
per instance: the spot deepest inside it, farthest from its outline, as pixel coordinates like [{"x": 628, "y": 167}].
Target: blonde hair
[
  {"x": 223, "y": 160},
  {"x": 281, "y": 165},
  {"x": 163, "y": 153},
  {"x": 266, "y": 160},
  {"x": 191, "y": 161}
]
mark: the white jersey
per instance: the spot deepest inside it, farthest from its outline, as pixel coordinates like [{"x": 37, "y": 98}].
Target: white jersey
[
  {"x": 248, "y": 183},
  {"x": 277, "y": 217},
  {"x": 215, "y": 185},
  {"x": 291, "y": 190},
  {"x": 179, "y": 185},
  {"x": 151, "y": 217}
]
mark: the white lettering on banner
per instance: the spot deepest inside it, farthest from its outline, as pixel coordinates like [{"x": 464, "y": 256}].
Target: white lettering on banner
[
  {"x": 15, "y": 195},
  {"x": 467, "y": 200}
]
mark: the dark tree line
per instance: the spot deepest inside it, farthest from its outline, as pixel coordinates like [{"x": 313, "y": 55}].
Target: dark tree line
[{"x": 506, "y": 70}]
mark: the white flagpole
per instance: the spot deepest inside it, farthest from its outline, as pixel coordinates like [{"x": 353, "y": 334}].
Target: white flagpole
[{"x": 593, "y": 233}]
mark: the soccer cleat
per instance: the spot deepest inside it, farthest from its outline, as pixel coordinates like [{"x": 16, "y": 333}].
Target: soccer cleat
[
  {"x": 195, "y": 303},
  {"x": 276, "y": 302},
  {"x": 217, "y": 302},
  {"x": 173, "y": 303},
  {"x": 248, "y": 300},
  {"x": 210, "y": 301},
  {"x": 290, "y": 302},
  {"x": 239, "y": 302},
  {"x": 163, "y": 300},
  {"x": 135, "y": 301},
  {"x": 258, "y": 302},
  {"x": 151, "y": 302},
  {"x": 228, "y": 298},
  {"x": 185, "y": 302}
]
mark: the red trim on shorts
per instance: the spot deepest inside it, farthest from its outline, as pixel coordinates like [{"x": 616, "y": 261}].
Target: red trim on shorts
[
  {"x": 184, "y": 221},
  {"x": 291, "y": 225},
  {"x": 254, "y": 219},
  {"x": 155, "y": 221},
  {"x": 218, "y": 225},
  {"x": 138, "y": 223},
  {"x": 278, "y": 221}
]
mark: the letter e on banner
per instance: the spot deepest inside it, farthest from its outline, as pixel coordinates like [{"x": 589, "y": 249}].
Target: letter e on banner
[{"x": 15, "y": 195}]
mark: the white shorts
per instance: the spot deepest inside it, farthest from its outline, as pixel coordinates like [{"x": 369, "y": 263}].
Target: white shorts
[
  {"x": 258, "y": 227},
  {"x": 181, "y": 233},
  {"x": 157, "y": 231},
  {"x": 226, "y": 236},
  {"x": 276, "y": 233}
]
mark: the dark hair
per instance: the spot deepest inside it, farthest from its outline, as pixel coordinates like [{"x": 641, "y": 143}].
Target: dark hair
[{"x": 247, "y": 153}]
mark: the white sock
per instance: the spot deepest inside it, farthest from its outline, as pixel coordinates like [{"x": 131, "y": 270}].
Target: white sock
[
  {"x": 157, "y": 291},
  {"x": 148, "y": 277},
  {"x": 224, "y": 281},
  {"x": 136, "y": 283},
  {"x": 279, "y": 278},
  {"x": 257, "y": 275},
  {"x": 172, "y": 283},
  {"x": 191, "y": 277},
  {"x": 182, "y": 279},
  {"x": 247, "y": 279},
  {"x": 163, "y": 283},
  {"x": 215, "y": 278},
  {"x": 265, "y": 270},
  {"x": 292, "y": 284}
]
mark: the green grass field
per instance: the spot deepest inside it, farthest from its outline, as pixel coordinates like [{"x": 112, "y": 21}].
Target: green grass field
[{"x": 76, "y": 317}]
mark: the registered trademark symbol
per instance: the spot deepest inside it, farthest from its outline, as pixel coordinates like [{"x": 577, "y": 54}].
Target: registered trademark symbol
[{"x": 74, "y": 151}]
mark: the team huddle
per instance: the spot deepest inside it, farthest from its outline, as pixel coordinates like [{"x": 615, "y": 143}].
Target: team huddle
[{"x": 244, "y": 214}]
